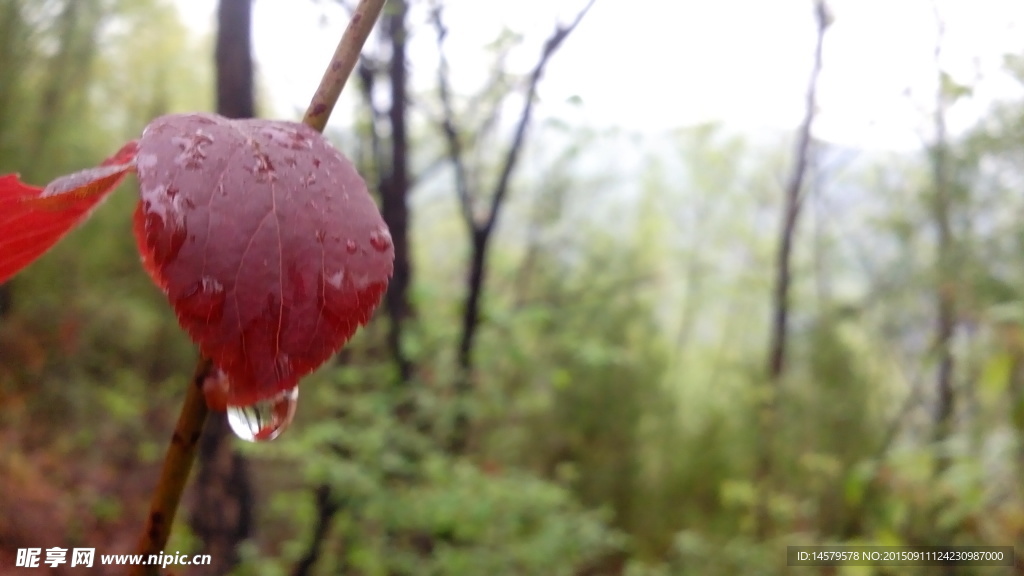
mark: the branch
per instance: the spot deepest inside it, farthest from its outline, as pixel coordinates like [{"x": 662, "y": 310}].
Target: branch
[
  {"x": 326, "y": 508},
  {"x": 791, "y": 211},
  {"x": 481, "y": 233},
  {"x": 512, "y": 156},
  {"x": 181, "y": 454},
  {"x": 342, "y": 63},
  {"x": 367, "y": 80},
  {"x": 448, "y": 125}
]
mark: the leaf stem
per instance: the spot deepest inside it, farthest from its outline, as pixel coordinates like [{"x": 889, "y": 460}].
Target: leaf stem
[
  {"x": 181, "y": 453},
  {"x": 342, "y": 63}
]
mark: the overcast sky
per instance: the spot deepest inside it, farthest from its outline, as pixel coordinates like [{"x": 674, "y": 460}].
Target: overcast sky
[{"x": 653, "y": 64}]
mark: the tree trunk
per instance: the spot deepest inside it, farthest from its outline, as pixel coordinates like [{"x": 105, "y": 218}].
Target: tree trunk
[
  {"x": 779, "y": 336},
  {"x": 395, "y": 190}
]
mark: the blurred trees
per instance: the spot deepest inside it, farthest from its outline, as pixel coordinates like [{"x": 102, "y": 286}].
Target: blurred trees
[
  {"x": 89, "y": 354},
  {"x": 619, "y": 346}
]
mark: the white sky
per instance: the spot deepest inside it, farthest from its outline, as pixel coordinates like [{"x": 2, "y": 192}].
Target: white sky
[{"x": 654, "y": 64}]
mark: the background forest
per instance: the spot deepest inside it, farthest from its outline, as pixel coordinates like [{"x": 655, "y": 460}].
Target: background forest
[{"x": 604, "y": 351}]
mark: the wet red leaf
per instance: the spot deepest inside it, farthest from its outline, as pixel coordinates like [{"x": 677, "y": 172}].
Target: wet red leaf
[
  {"x": 33, "y": 219},
  {"x": 266, "y": 241}
]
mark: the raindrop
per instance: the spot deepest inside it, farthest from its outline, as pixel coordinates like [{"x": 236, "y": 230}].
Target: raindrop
[
  {"x": 283, "y": 366},
  {"x": 192, "y": 152},
  {"x": 72, "y": 182},
  {"x": 263, "y": 168},
  {"x": 165, "y": 238},
  {"x": 336, "y": 279},
  {"x": 201, "y": 137},
  {"x": 287, "y": 137},
  {"x": 351, "y": 246},
  {"x": 309, "y": 180},
  {"x": 266, "y": 419},
  {"x": 203, "y": 301},
  {"x": 380, "y": 239},
  {"x": 145, "y": 161}
]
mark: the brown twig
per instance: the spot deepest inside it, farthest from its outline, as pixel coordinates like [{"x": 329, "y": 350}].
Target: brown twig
[
  {"x": 181, "y": 453},
  {"x": 342, "y": 63},
  {"x": 481, "y": 227}
]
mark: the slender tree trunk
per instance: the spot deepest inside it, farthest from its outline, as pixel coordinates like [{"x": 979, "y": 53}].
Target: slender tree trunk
[
  {"x": 223, "y": 506},
  {"x": 945, "y": 292},
  {"x": 481, "y": 231},
  {"x": 68, "y": 70},
  {"x": 233, "y": 57},
  {"x": 395, "y": 189},
  {"x": 945, "y": 295},
  {"x": 779, "y": 335}
]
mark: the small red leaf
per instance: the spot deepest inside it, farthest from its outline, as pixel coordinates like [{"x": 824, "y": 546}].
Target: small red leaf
[
  {"x": 33, "y": 219},
  {"x": 265, "y": 240}
]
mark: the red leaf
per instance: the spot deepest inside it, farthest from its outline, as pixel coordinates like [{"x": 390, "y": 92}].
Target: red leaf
[
  {"x": 33, "y": 219},
  {"x": 266, "y": 241}
]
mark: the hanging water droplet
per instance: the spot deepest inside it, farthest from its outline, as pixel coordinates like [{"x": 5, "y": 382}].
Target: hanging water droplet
[{"x": 264, "y": 420}]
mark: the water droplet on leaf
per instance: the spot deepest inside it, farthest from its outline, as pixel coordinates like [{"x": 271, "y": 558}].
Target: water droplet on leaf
[
  {"x": 283, "y": 366},
  {"x": 203, "y": 301},
  {"x": 336, "y": 279},
  {"x": 380, "y": 239},
  {"x": 263, "y": 168},
  {"x": 351, "y": 246},
  {"x": 266, "y": 419},
  {"x": 166, "y": 238},
  {"x": 192, "y": 149}
]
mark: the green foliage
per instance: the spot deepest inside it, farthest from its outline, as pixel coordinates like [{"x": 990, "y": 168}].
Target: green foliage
[{"x": 619, "y": 360}]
